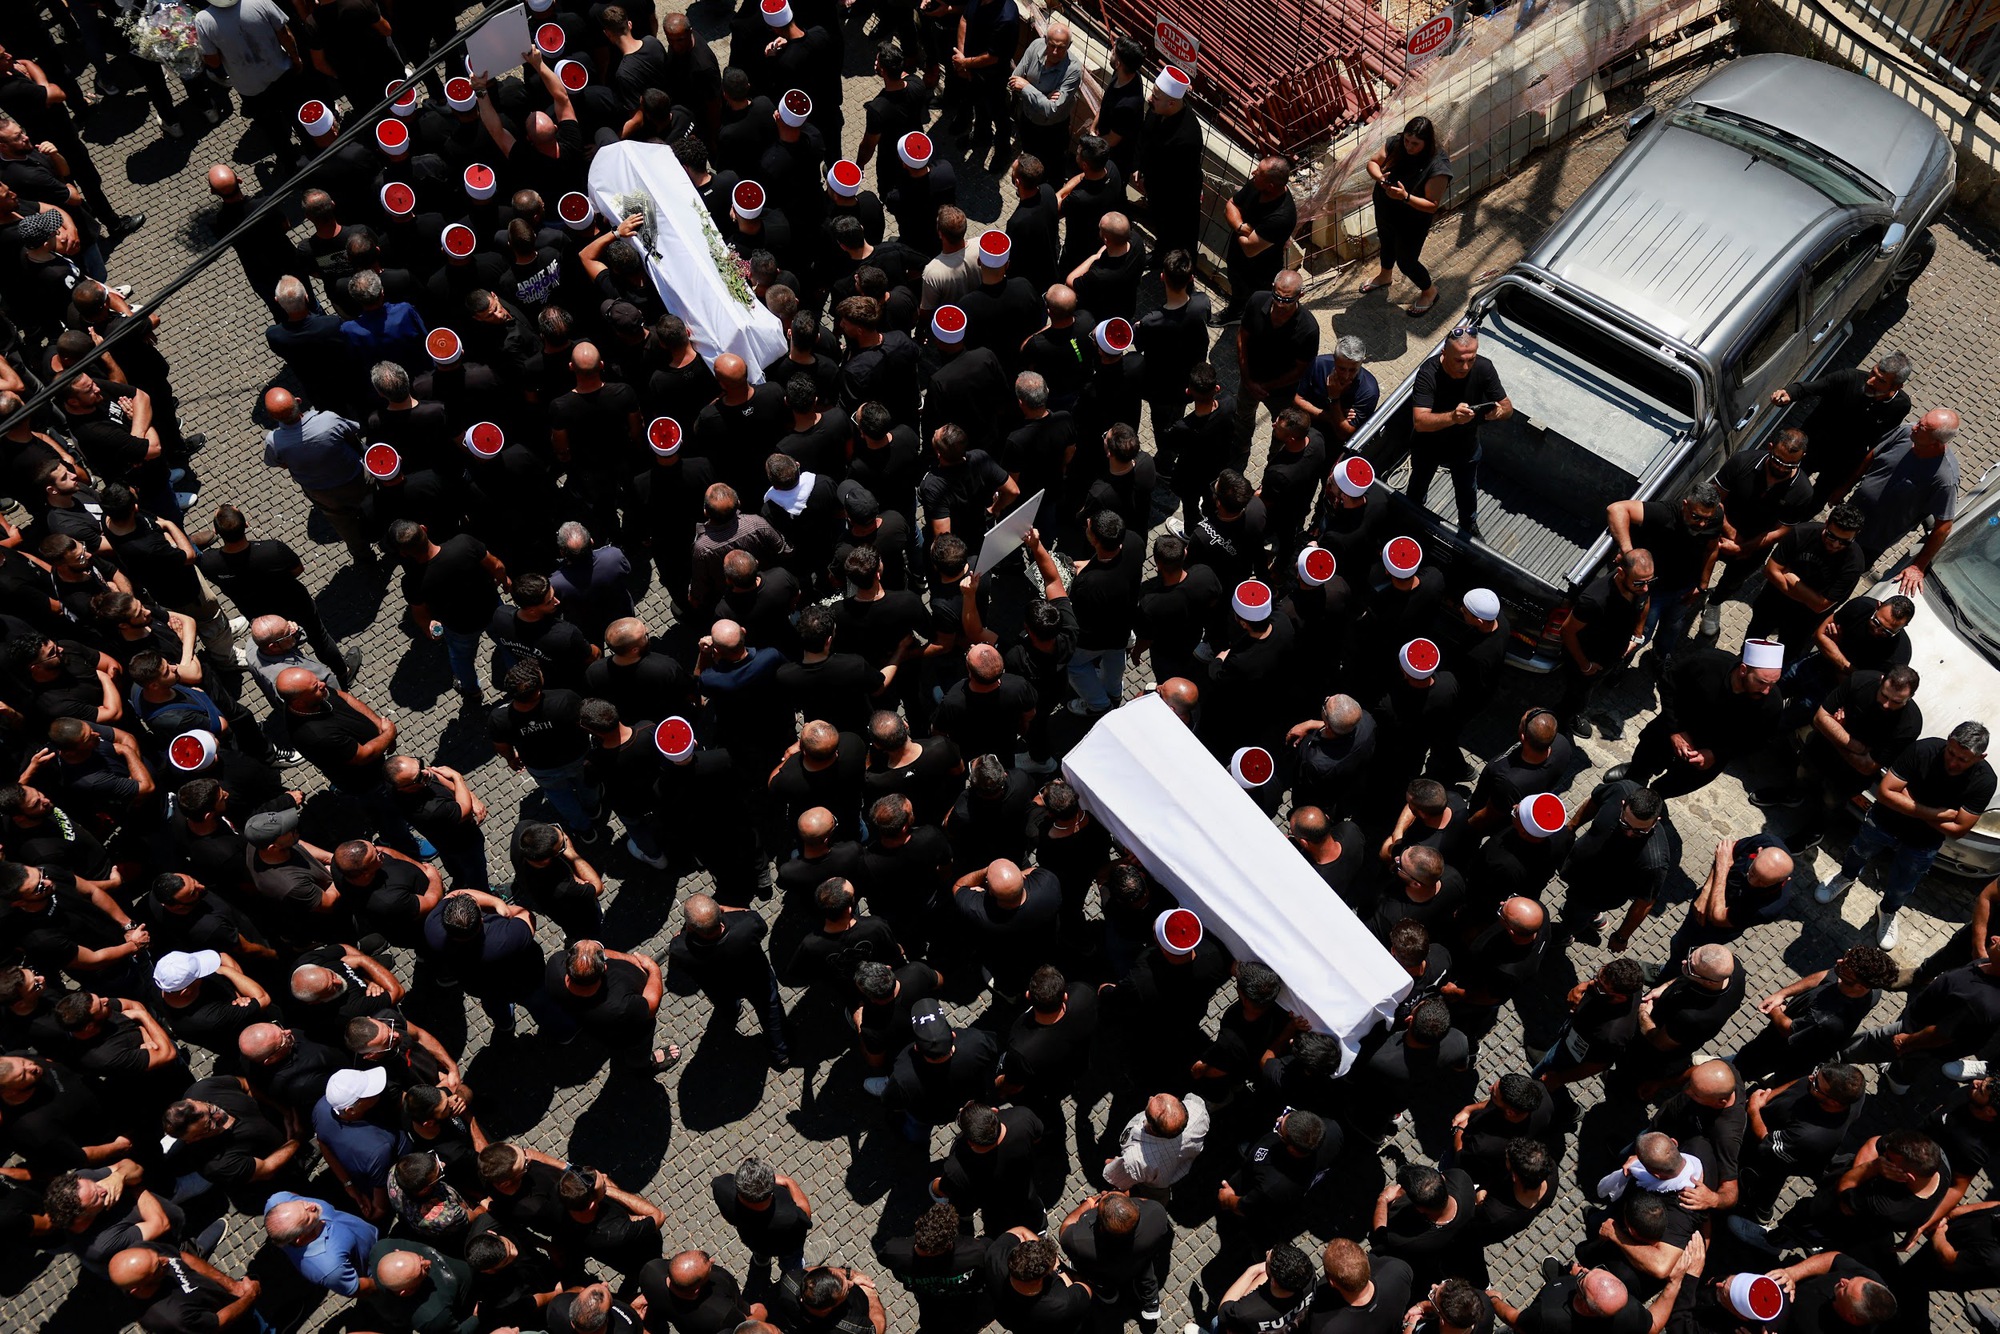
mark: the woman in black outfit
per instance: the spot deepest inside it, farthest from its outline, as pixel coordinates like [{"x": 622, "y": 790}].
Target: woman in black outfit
[{"x": 1411, "y": 176}]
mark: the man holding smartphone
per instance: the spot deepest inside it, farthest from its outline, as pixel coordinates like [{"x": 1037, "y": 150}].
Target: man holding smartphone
[{"x": 1456, "y": 391}]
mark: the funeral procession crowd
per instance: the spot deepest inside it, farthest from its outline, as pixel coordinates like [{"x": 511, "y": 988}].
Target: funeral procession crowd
[{"x": 843, "y": 731}]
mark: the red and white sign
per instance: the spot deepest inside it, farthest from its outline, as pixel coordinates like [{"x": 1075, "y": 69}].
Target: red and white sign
[
  {"x": 1176, "y": 43},
  {"x": 1430, "y": 38}
]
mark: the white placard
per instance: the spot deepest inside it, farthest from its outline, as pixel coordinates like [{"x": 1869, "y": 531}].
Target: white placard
[
  {"x": 1005, "y": 535},
  {"x": 499, "y": 44}
]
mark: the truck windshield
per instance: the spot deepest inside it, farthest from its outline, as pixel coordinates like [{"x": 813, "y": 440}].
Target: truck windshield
[
  {"x": 1967, "y": 573},
  {"x": 1825, "y": 174}
]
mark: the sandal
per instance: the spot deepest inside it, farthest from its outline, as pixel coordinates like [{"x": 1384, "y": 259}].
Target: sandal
[
  {"x": 1415, "y": 312},
  {"x": 666, "y": 1060},
  {"x": 1375, "y": 285}
]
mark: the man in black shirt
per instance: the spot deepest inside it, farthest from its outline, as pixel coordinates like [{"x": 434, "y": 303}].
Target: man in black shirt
[
  {"x": 1763, "y": 495},
  {"x": 539, "y": 732},
  {"x": 1796, "y": 1129},
  {"x": 1938, "y": 788},
  {"x": 1716, "y": 707},
  {"x": 183, "y": 1293},
  {"x": 451, "y": 594},
  {"x": 943, "y": 1268},
  {"x": 1268, "y": 1192},
  {"x": 1863, "y": 634},
  {"x": 1679, "y": 1016},
  {"x": 694, "y": 1295},
  {"x": 1683, "y": 539},
  {"x": 1606, "y": 625},
  {"x": 1275, "y": 347},
  {"x": 1029, "y": 1288},
  {"x": 990, "y": 1169},
  {"x": 1858, "y": 730},
  {"x": 935, "y": 1076},
  {"x": 1845, "y": 414},
  {"x": 535, "y": 630},
  {"x": 1454, "y": 393},
  {"x": 720, "y": 953},
  {"x": 1621, "y": 856},
  {"x": 262, "y": 577},
  {"x": 769, "y": 1211},
  {"x": 1121, "y": 1245},
  {"x": 348, "y": 742},
  {"x": 615, "y": 996},
  {"x": 1810, "y": 571}
]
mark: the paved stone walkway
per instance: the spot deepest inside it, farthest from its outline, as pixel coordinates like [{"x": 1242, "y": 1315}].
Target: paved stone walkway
[{"x": 667, "y": 1140}]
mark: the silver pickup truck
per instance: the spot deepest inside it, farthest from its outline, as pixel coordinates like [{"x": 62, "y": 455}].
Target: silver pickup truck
[{"x": 1722, "y": 254}]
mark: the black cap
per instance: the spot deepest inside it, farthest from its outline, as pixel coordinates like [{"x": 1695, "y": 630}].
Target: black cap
[
  {"x": 858, "y": 501},
  {"x": 931, "y": 1028}
]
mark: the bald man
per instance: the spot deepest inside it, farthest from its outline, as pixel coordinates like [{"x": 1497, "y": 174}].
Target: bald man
[
  {"x": 719, "y": 952},
  {"x": 1588, "y": 1301},
  {"x": 1678, "y": 1017},
  {"x": 1502, "y": 962},
  {"x": 267, "y": 251},
  {"x": 1911, "y": 476},
  {"x": 738, "y": 430},
  {"x": 418, "y": 1288},
  {"x": 689, "y": 1291},
  {"x": 827, "y": 769},
  {"x": 322, "y": 452},
  {"x": 1711, "y": 1109},
  {"x": 597, "y": 421},
  {"x": 991, "y": 710},
  {"x": 1182, "y": 696},
  {"x": 1158, "y": 1145},
  {"x": 1749, "y": 882},
  {"x": 330, "y": 1249},
  {"x": 183, "y": 1293},
  {"x": 1012, "y": 915}
]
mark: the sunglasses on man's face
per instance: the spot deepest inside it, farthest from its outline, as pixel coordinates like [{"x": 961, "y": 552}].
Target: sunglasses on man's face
[
  {"x": 1777, "y": 464},
  {"x": 1280, "y": 299}
]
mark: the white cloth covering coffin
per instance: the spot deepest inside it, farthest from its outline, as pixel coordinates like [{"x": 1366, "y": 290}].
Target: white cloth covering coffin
[
  {"x": 1164, "y": 797},
  {"x": 684, "y": 267}
]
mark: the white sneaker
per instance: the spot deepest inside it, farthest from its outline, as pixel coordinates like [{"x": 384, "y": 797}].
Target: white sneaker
[
  {"x": 1832, "y": 888},
  {"x": 632, "y": 846},
  {"x": 1888, "y": 932},
  {"x": 242, "y": 655},
  {"x": 1965, "y": 1071},
  {"x": 237, "y": 625},
  {"x": 875, "y": 1085},
  {"x": 285, "y": 759}
]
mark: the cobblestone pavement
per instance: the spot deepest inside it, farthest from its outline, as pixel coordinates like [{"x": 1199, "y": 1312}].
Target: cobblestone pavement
[{"x": 667, "y": 1140}]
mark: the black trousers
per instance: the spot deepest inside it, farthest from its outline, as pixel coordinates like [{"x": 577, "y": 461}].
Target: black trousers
[
  {"x": 1403, "y": 232},
  {"x": 1464, "y": 484}
]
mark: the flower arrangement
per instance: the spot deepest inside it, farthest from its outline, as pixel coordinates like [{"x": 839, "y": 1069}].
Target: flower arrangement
[
  {"x": 163, "y": 32},
  {"x": 733, "y": 269},
  {"x": 648, "y": 209}
]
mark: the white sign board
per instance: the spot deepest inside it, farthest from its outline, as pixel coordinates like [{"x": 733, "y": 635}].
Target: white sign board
[
  {"x": 1431, "y": 38},
  {"x": 1004, "y": 536},
  {"x": 499, "y": 44},
  {"x": 1176, "y": 43}
]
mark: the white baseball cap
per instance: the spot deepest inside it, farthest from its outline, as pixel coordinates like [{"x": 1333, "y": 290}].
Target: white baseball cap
[
  {"x": 348, "y": 1087},
  {"x": 183, "y": 969}
]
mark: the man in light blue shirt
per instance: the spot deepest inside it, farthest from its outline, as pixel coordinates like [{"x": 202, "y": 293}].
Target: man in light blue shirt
[
  {"x": 322, "y": 452},
  {"x": 328, "y": 1247}
]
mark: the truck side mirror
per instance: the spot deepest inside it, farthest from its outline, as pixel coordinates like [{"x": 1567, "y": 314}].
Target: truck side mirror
[
  {"x": 1639, "y": 120},
  {"x": 1892, "y": 240}
]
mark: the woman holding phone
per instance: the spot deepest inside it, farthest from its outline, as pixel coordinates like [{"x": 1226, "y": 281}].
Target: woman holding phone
[{"x": 1411, "y": 176}]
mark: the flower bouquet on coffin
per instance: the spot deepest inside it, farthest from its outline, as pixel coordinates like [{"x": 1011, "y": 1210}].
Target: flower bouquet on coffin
[{"x": 642, "y": 205}]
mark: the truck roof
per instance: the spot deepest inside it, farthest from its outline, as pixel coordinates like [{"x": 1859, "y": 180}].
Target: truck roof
[
  {"x": 1655, "y": 242},
  {"x": 1856, "y": 119}
]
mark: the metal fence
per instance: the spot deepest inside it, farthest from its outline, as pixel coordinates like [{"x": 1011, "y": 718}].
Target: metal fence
[
  {"x": 1279, "y": 75},
  {"x": 1960, "y": 39}
]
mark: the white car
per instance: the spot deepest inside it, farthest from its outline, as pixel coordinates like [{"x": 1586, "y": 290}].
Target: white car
[{"x": 1955, "y": 647}]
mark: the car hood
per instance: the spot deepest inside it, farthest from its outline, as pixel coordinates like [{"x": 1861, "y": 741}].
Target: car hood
[
  {"x": 1959, "y": 684},
  {"x": 1852, "y": 117}
]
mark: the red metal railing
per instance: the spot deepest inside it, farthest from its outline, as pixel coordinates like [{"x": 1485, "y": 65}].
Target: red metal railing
[{"x": 1278, "y": 74}]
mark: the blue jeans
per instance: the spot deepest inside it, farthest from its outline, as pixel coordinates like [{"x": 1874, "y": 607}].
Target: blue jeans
[
  {"x": 1098, "y": 677},
  {"x": 461, "y": 650},
  {"x": 569, "y": 791},
  {"x": 1908, "y": 867}
]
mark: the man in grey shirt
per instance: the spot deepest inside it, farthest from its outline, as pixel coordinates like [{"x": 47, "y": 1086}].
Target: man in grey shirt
[
  {"x": 1044, "y": 86},
  {"x": 1159, "y": 1145},
  {"x": 278, "y": 644},
  {"x": 322, "y": 452},
  {"x": 1911, "y": 475},
  {"x": 250, "y": 41}
]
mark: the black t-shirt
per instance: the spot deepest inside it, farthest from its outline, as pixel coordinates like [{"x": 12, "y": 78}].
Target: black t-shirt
[
  {"x": 1753, "y": 503},
  {"x": 934, "y": 1280},
  {"x": 1261, "y": 1309},
  {"x": 455, "y": 586},
  {"x": 1677, "y": 553},
  {"x": 986, "y": 722},
  {"x": 1804, "y": 1135},
  {"x": 391, "y": 903},
  {"x": 718, "y": 1309},
  {"x": 1969, "y": 1140},
  {"x": 1002, "y": 1174},
  {"x": 1382, "y": 1313},
  {"x": 230, "y": 1159},
  {"x": 1831, "y": 574},
  {"x": 1922, "y": 767},
  {"x": 961, "y": 494},
  {"x": 874, "y": 630},
  {"x": 1439, "y": 392},
  {"x": 1105, "y": 593},
  {"x": 617, "y": 1010},
  {"x": 1057, "y": 1308},
  {"x": 560, "y": 649},
  {"x": 546, "y": 736},
  {"x": 554, "y": 890},
  {"x": 258, "y": 579},
  {"x": 1859, "y": 644},
  {"x": 656, "y": 686},
  {"x": 1886, "y": 732},
  {"x": 1552, "y": 1312},
  {"x": 1273, "y": 1181},
  {"x": 187, "y": 1301},
  {"x": 1607, "y": 618},
  {"x": 1692, "y": 1014},
  {"x": 1272, "y": 350},
  {"x": 1964, "y": 1002},
  {"x": 778, "y": 1230},
  {"x": 331, "y": 737}
]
